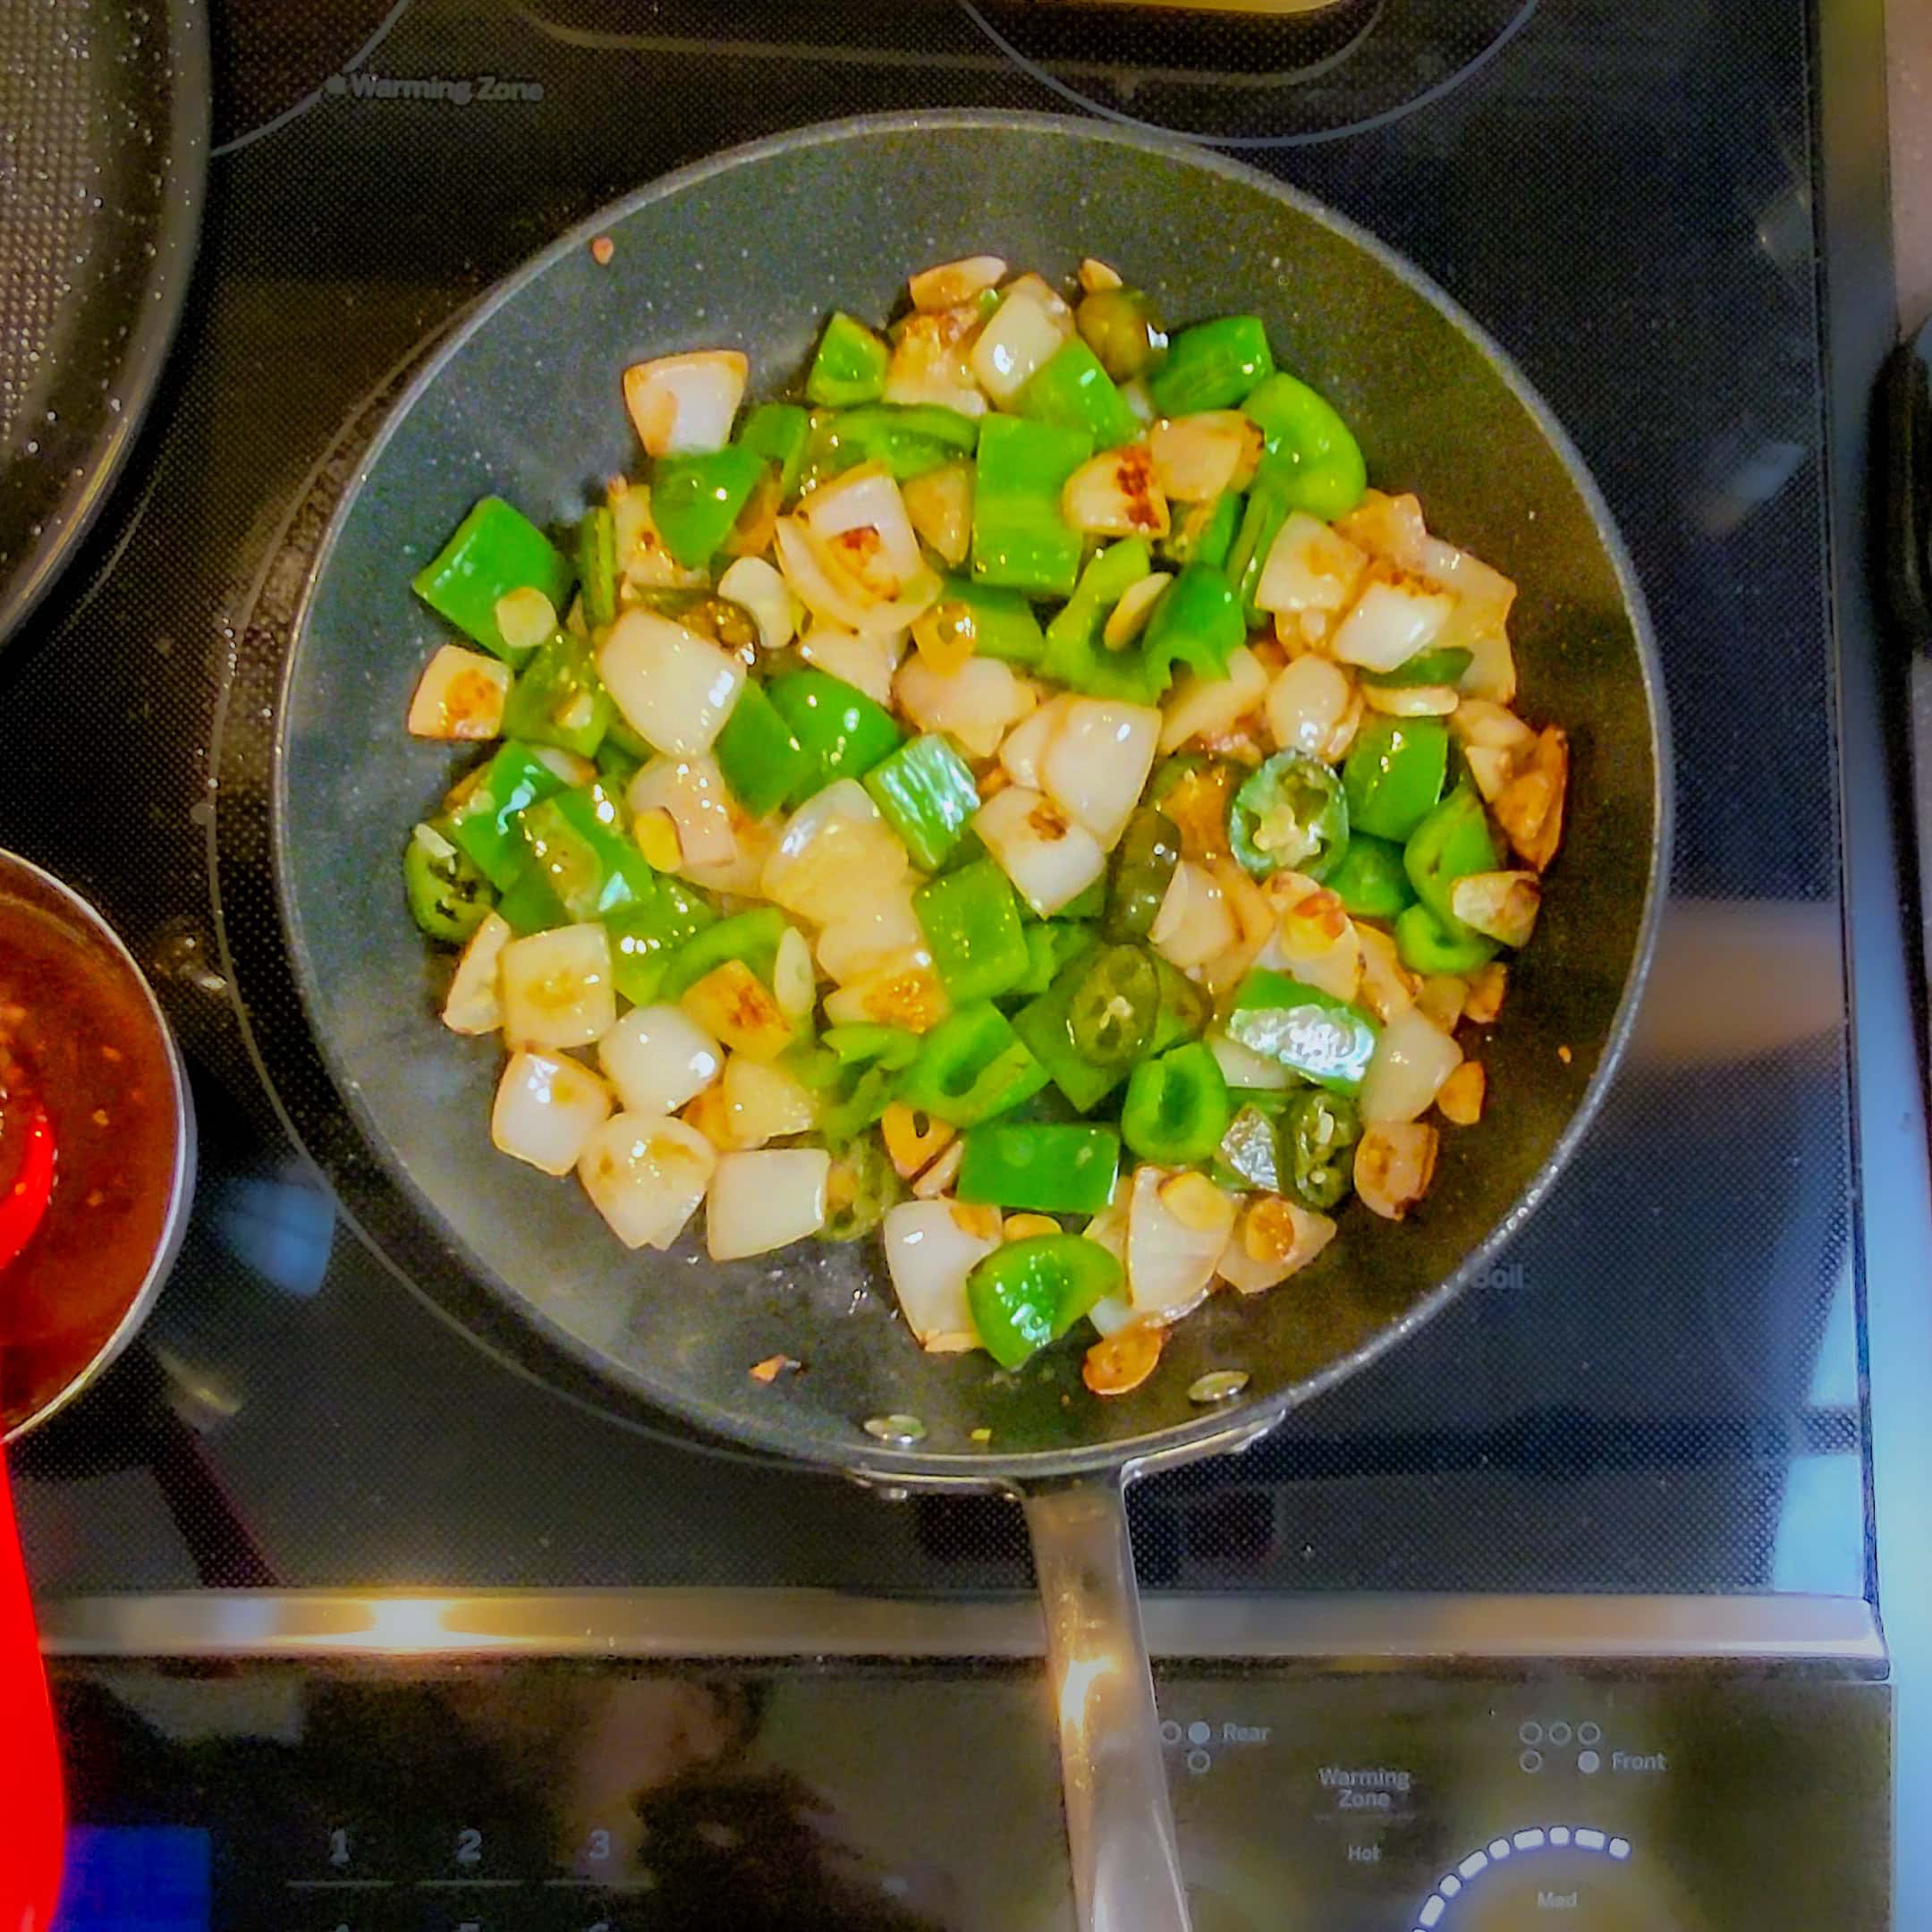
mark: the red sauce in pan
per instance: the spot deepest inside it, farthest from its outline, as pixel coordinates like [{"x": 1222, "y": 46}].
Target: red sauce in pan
[{"x": 76, "y": 1031}]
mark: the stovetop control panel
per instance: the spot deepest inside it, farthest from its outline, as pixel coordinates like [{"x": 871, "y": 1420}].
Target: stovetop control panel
[{"x": 565, "y": 1797}]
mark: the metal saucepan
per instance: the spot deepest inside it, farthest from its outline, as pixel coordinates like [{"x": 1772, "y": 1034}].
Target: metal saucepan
[{"x": 750, "y": 249}]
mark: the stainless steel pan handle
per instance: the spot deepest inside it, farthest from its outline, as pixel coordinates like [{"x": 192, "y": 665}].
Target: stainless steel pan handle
[{"x": 1120, "y": 1826}]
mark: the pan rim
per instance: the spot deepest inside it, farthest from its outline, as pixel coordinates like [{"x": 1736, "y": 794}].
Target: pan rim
[{"x": 1210, "y": 1433}]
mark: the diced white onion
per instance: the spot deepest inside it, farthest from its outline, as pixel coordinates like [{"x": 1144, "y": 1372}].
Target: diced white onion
[
  {"x": 1210, "y": 708},
  {"x": 1274, "y": 1239},
  {"x": 1491, "y": 769},
  {"x": 928, "y": 360},
  {"x": 658, "y": 1057},
  {"x": 1242, "y": 1067},
  {"x": 955, "y": 282},
  {"x": 766, "y": 1199},
  {"x": 1395, "y": 1163},
  {"x": 1171, "y": 1256},
  {"x": 859, "y": 518},
  {"x": 881, "y": 925},
  {"x": 904, "y": 991},
  {"x": 755, "y": 584},
  {"x": 1195, "y": 922},
  {"x": 1479, "y": 722},
  {"x": 940, "y": 505},
  {"x": 1114, "y": 494},
  {"x": 1387, "y": 987},
  {"x": 1023, "y": 334},
  {"x": 743, "y": 874},
  {"x": 977, "y": 704},
  {"x": 460, "y": 696},
  {"x": 1128, "y": 618},
  {"x": 645, "y": 1174},
  {"x": 1305, "y": 703},
  {"x": 473, "y": 1005},
  {"x": 1316, "y": 941},
  {"x": 794, "y": 981},
  {"x": 1309, "y": 567},
  {"x": 547, "y": 1107},
  {"x": 821, "y": 582},
  {"x": 1197, "y": 457},
  {"x": 1098, "y": 761},
  {"x": 1389, "y": 624},
  {"x": 682, "y": 405},
  {"x": 1411, "y": 700},
  {"x": 1022, "y": 755},
  {"x": 1049, "y": 858},
  {"x": 565, "y": 766},
  {"x": 835, "y": 854},
  {"x": 556, "y": 988},
  {"x": 692, "y": 790},
  {"x": 674, "y": 688},
  {"x": 1412, "y": 1059},
  {"x": 763, "y": 1102},
  {"x": 1500, "y": 905},
  {"x": 864, "y": 659},
  {"x": 931, "y": 1246}
]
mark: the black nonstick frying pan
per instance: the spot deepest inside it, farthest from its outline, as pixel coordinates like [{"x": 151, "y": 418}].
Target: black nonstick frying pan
[{"x": 750, "y": 251}]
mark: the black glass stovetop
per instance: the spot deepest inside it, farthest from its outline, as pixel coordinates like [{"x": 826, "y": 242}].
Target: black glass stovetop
[{"x": 1656, "y": 1390}]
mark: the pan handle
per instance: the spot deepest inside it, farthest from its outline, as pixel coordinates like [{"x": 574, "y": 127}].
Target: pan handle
[{"x": 1120, "y": 1826}]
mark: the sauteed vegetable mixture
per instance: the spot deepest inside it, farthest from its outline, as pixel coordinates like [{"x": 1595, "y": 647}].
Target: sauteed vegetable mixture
[{"x": 1026, "y": 801}]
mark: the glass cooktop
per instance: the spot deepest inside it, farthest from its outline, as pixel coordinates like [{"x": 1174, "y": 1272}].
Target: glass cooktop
[{"x": 1657, "y": 1389}]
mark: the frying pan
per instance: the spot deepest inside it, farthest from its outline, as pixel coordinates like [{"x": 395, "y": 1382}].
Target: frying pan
[{"x": 750, "y": 249}]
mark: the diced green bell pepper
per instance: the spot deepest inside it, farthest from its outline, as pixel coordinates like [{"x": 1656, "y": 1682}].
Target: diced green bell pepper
[
  {"x": 448, "y": 896},
  {"x": 1424, "y": 945},
  {"x": 1041, "y": 1165},
  {"x": 1453, "y": 840},
  {"x": 970, "y": 1067},
  {"x": 1395, "y": 772},
  {"x": 751, "y": 937},
  {"x": 997, "y": 624},
  {"x": 1204, "y": 533},
  {"x": 531, "y": 904},
  {"x": 1087, "y": 903},
  {"x": 971, "y": 922},
  {"x": 1212, "y": 366},
  {"x": 1031, "y": 1292},
  {"x": 1311, "y": 1032},
  {"x": 871, "y": 1093},
  {"x": 596, "y": 564},
  {"x": 908, "y": 439},
  {"x": 860, "y": 1187},
  {"x": 695, "y": 500},
  {"x": 1071, "y": 387},
  {"x": 840, "y": 732},
  {"x": 1197, "y": 622},
  {"x": 1317, "y": 1130},
  {"x": 485, "y": 824},
  {"x": 849, "y": 366},
  {"x": 1074, "y": 655},
  {"x": 777, "y": 433},
  {"x": 925, "y": 792},
  {"x": 1019, "y": 538},
  {"x": 1442, "y": 665},
  {"x": 558, "y": 699},
  {"x": 1051, "y": 943},
  {"x": 577, "y": 843},
  {"x": 1177, "y": 1108},
  {"x": 644, "y": 938},
  {"x": 864, "y": 1044},
  {"x": 1369, "y": 878},
  {"x": 1289, "y": 812},
  {"x": 1300, "y": 427},
  {"x": 494, "y": 550},
  {"x": 759, "y": 758}
]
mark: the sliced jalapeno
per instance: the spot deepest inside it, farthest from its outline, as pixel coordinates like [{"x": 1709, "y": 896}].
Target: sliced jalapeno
[
  {"x": 1289, "y": 812},
  {"x": 1317, "y": 1130},
  {"x": 1141, "y": 872},
  {"x": 448, "y": 896},
  {"x": 1116, "y": 1004}
]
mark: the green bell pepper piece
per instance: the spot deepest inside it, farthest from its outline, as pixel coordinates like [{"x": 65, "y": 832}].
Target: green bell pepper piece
[
  {"x": 1317, "y": 1130},
  {"x": 777, "y": 434},
  {"x": 1453, "y": 840},
  {"x": 1250, "y": 1148},
  {"x": 971, "y": 922},
  {"x": 925, "y": 792},
  {"x": 1394, "y": 774},
  {"x": 1212, "y": 366},
  {"x": 643, "y": 938},
  {"x": 971, "y": 1067},
  {"x": 1019, "y": 540},
  {"x": 849, "y": 366},
  {"x": 448, "y": 897},
  {"x": 1118, "y": 325},
  {"x": 1177, "y": 1108},
  {"x": 616, "y": 767},
  {"x": 1425, "y": 946},
  {"x": 1300, "y": 427},
  {"x": 841, "y": 732},
  {"x": 1044, "y": 1166},
  {"x": 860, "y": 1186},
  {"x": 1140, "y": 870},
  {"x": 1088, "y": 903},
  {"x": 997, "y": 624},
  {"x": 1071, "y": 387},
  {"x": 1289, "y": 812},
  {"x": 873, "y": 1091},
  {"x": 1115, "y": 1005},
  {"x": 863, "y": 1044},
  {"x": 596, "y": 564},
  {"x": 751, "y": 937},
  {"x": 576, "y": 844},
  {"x": 531, "y": 904},
  {"x": 494, "y": 550},
  {"x": 1045, "y": 1024},
  {"x": 1204, "y": 533},
  {"x": 558, "y": 699},
  {"x": 760, "y": 761},
  {"x": 908, "y": 439},
  {"x": 695, "y": 500},
  {"x": 1031, "y": 1292},
  {"x": 1368, "y": 877},
  {"x": 1311, "y": 1032},
  {"x": 485, "y": 824},
  {"x": 1197, "y": 620},
  {"x": 1442, "y": 665},
  {"x": 1051, "y": 943},
  {"x": 1074, "y": 655},
  {"x": 1271, "y": 496}
]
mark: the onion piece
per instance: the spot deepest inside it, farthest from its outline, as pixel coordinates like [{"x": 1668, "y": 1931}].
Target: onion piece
[
  {"x": 743, "y": 876},
  {"x": 565, "y": 766},
  {"x": 1210, "y": 708},
  {"x": 1022, "y": 755},
  {"x": 556, "y": 988},
  {"x": 977, "y": 704},
  {"x": 1306, "y": 703},
  {"x": 940, "y": 505},
  {"x": 1491, "y": 769},
  {"x": 835, "y": 856},
  {"x": 472, "y": 1004},
  {"x": 1500, "y": 905},
  {"x": 1315, "y": 940},
  {"x": 1023, "y": 332},
  {"x": 1411, "y": 700},
  {"x": 1128, "y": 618},
  {"x": 1394, "y": 1163},
  {"x": 905, "y": 991},
  {"x": 1196, "y": 457},
  {"x": 1114, "y": 494},
  {"x": 1442, "y": 997},
  {"x": 736, "y": 1007},
  {"x": 753, "y": 583},
  {"x": 1479, "y": 722},
  {"x": 682, "y": 405},
  {"x": 1309, "y": 567},
  {"x": 859, "y": 518},
  {"x": 763, "y": 1102},
  {"x": 1411, "y": 1060},
  {"x": 692, "y": 790},
  {"x": 645, "y": 1174},
  {"x": 1273, "y": 1239},
  {"x": 758, "y": 1201},
  {"x": 795, "y": 983},
  {"x": 822, "y": 585},
  {"x": 881, "y": 926},
  {"x": 1097, "y": 762},
  {"x": 1389, "y": 624},
  {"x": 674, "y": 688},
  {"x": 1195, "y": 922},
  {"x": 1177, "y": 1226},
  {"x": 955, "y": 282},
  {"x": 865, "y": 660},
  {"x": 1049, "y": 858},
  {"x": 658, "y": 1057},
  {"x": 460, "y": 696},
  {"x": 931, "y": 1246},
  {"x": 547, "y": 1107},
  {"x": 943, "y": 1172},
  {"x": 1387, "y": 987},
  {"x": 1241, "y": 1068},
  {"x": 929, "y": 360}
]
